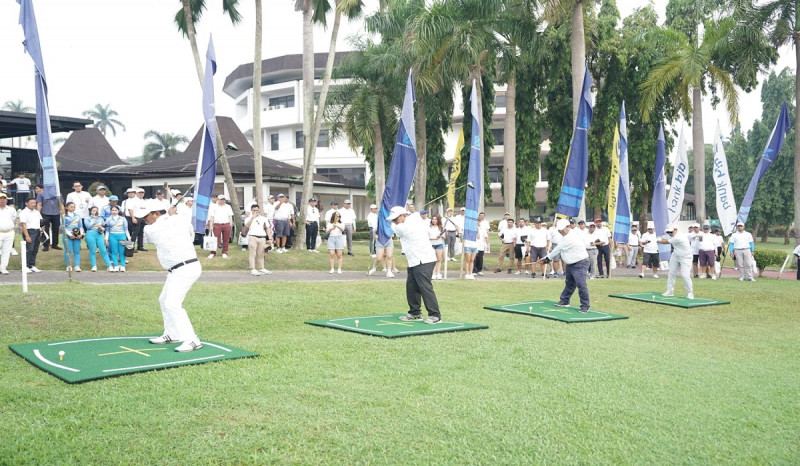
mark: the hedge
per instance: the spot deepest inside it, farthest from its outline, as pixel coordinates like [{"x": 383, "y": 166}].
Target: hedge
[{"x": 767, "y": 257}]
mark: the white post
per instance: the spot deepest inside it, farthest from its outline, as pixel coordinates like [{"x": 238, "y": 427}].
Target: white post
[{"x": 23, "y": 254}]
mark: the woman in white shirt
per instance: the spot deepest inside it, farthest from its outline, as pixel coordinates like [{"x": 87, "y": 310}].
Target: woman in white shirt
[
  {"x": 335, "y": 231},
  {"x": 436, "y": 235}
]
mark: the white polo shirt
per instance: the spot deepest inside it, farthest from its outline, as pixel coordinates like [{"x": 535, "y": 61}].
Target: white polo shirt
[
  {"x": 348, "y": 215},
  {"x": 538, "y": 237},
  {"x": 312, "y": 214},
  {"x": 649, "y": 242},
  {"x": 7, "y": 217},
  {"x": 31, "y": 218},
  {"x": 415, "y": 241}
]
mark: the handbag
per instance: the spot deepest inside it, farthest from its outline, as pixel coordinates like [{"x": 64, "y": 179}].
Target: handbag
[
  {"x": 244, "y": 232},
  {"x": 243, "y": 241},
  {"x": 209, "y": 243}
]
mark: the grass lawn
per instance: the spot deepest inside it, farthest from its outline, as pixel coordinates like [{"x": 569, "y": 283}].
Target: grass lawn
[{"x": 668, "y": 385}]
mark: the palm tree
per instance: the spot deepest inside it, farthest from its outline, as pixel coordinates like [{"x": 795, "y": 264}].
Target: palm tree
[
  {"x": 780, "y": 19},
  {"x": 18, "y": 107},
  {"x": 185, "y": 19},
  {"x": 257, "y": 166},
  {"x": 103, "y": 117},
  {"x": 161, "y": 145}
]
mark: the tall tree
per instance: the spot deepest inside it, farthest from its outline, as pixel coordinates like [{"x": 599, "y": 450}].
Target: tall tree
[
  {"x": 17, "y": 106},
  {"x": 185, "y": 19},
  {"x": 780, "y": 19},
  {"x": 162, "y": 145},
  {"x": 257, "y": 166},
  {"x": 103, "y": 118}
]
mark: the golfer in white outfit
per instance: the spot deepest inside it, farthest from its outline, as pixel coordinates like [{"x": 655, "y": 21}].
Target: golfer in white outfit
[
  {"x": 681, "y": 258},
  {"x": 172, "y": 237}
]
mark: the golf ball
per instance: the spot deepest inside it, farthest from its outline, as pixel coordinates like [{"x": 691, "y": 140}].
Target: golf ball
[
  {"x": 530, "y": 309},
  {"x": 356, "y": 323},
  {"x": 61, "y": 353}
]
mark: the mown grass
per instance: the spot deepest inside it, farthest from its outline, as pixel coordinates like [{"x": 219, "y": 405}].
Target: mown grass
[{"x": 709, "y": 385}]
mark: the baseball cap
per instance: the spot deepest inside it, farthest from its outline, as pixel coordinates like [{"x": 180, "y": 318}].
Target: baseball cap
[
  {"x": 175, "y": 192},
  {"x": 463, "y": 209},
  {"x": 130, "y": 190},
  {"x": 281, "y": 195},
  {"x": 584, "y": 222},
  {"x": 221, "y": 196},
  {"x": 706, "y": 226},
  {"x": 347, "y": 201},
  {"x": 670, "y": 228},
  {"x": 139, "y": 190},
  {"x": 153, "y": 205},
  {"x": 561, "y": 224},
  {"x": 159, "y": 191},
  {"x": 571, "y": 221},
  {"x": 598, "y": 219},
  {"x": 114, "y": 198},
  {"x": 100, "y": 187},
  {"x": 334, "y": 203},
  {"x": 634, "y": 227},
  {"x": 3, "y": 195},
  {"x": 739, "y": 223},
  {"x": 373, "y": 206},
  {"x": 313, "y": 199},
  {"x": 187, "y": 198},
  {"x": 410, "y": 202},
  {"x": 396, "y": 212},
  {"x": 423, "y": 212}
]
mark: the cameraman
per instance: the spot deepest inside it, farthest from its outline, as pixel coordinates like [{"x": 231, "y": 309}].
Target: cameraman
[
  {"x": 74, "y": 230},
  {"x": 572, "y": 249}
]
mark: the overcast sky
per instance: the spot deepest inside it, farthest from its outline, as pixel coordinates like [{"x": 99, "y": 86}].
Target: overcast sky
[{"x": 130, "y": 55}]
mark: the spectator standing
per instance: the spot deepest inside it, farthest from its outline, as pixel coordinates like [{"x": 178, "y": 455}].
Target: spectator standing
[
  {"x": 572, "y": 249},
  {"x": 679, "y": 261},
  {"x": 484, "y": 225},
  {"x": 113, "y": 201},
  {"x": 539, "y": 244},
  {"x": 258, "y": 232},
  {"x": 742, "y": 246},
  {"x": 95, "y": 228},
  {"x": 591, "y": 249},
  {"x": 633, "y": 248},
  {"x": 116, "y": 237},
  {"x": 283, "y": 217},
  {"x": 796, "y": 253},
  {"x": 81, "y": 198},
  {"x": 603, "y": 243},
  {"x": 184, "y": 209},
  {"x": 555, "y": 237},
  {"x": 312, "y": 225},
  {"x": 127, "y": 210},
  {"x": 139, "y": 206},
  {"x": 221, "y": 219},
  {"x": 436, "y": 236},
  {"x": 73, "y": 229},
  {"x": 372, "y": 223},
  {"x": 708, "y": 251},
  {"x": 51, "y": 218},
  {"x": 30, "y": 220},
  {"x": 650, "y": 256},
  {"x": 459, "y": 221},
  {"x": 508, "y": 239},
  {"x": 8, "y": 216},
  {"x": 335, "y": 229},
  {"x": 694, "y": 240},
  {"x": 162, "y": 200},
  {"x": 23, "y": 190},
  {"x": 100, "y": 200},
  {"x": 451, "y": 233},
  {"x": 471, "y": 252},
  {"x": 348, "y": 217},
  {"x": 521, "y": 245}
]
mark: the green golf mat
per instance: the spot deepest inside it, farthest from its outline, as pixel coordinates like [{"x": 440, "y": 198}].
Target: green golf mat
[
  {"x": 679, "y": 301},
  {"x": 390, "y": 326},
  {"x": 548, "y": 310},
  {"x": 96, "y": 358}
]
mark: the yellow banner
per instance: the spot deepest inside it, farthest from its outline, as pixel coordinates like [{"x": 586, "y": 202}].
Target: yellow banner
[
  {"x": 454, "y": 172},
  {"x": 613, "y": 182}
]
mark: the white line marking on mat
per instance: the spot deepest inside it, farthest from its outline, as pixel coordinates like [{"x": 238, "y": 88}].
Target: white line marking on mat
[
  {"x": 216, "y": 356},
  {"x": 47, "y": 361}
]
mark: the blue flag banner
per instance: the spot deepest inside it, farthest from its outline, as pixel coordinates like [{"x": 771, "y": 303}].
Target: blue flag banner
[
  {"x": 622, "y": 221},
  {"x": 659, "y": 204},
  {"x": 475, "y": 168},
  {"x": 404, "y": 163},
  {"x": 776, "y": 140},
  {"x": 44, "y": 136},
  {"x": 577, "y": 166},
  {"x": 206, "y": 164}
]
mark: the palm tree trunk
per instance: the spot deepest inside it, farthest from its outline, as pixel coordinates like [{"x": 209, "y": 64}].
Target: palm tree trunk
[
  {"x": 510, "y": 144},
  {"x": 380, "y": 161},
  {"x": 257, "y": 167},
  {"x": 223, "y": 159},
  {"x": 796, "y": 38},
  {"x": 698, "y": 149},
  {"x": 421, "y": 174},
  {"x": 578, "y": 55},
  {"x": 308, "y": 114}
]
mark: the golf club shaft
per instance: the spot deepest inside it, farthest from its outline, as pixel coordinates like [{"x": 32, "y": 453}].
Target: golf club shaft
[{"x": 188, "y": 191}]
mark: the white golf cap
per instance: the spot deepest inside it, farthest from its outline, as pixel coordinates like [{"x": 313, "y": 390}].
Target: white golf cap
[
  {"x": 347, "y": 201},
  {"x": 739, "y": 223},
  {"x": 670, "y": 228},
  {"x": 100, "y": 187},
  {"x": 463, "y": 209},
  {"x": 175, "y": 192},
  {"x": 139, "y": 190},
  {"x": 187, "y": 198},
  {"x": 409, "y": 202},
  {"x": 561, "y": 224},
  {"x": 373, "y": 206},
  {"x": 396, "y": 212},
  {"x": 153, "y": 205},
  {"x": 221, "y": 196}
]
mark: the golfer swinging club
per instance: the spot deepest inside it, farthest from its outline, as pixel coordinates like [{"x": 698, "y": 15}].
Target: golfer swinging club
[
  {"x": 681, "y": 258},
  {"x": 573, "y": 253},
  {"x": 172, "y": 237},
  {"x": 413, "y": 233}
]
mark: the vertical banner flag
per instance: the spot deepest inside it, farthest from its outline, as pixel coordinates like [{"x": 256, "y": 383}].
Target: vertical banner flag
[
  {"x": 27, "y": 18},
  {"x": 455, "y": 170},
  {"x": 475, "y": 170},
  {"x": 659, "y": 204},
  {"x": 207, "y": 161},
  {"x": 622, "y": 220},
  {"x": 577, "y": 165},
  {"x": 680, "y": 173},
  {"x": 613, "y": 180},
  {"x": 726, "y": 205},
  {"x": 776, "y": 140},
  {"x": 404, "y": 163}
]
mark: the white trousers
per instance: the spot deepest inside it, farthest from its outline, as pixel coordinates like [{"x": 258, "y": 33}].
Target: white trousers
[
  {"x": 176, "y": 319},
  {"x": 685, "y": 266},
  {"x": 744, "y": 260},
  {"x": 6, "y": 243}
]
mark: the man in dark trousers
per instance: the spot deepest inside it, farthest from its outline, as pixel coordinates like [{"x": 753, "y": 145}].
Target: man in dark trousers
[
  {"x": 572, "y": 249},
  {"x": 413, "y": 233},
  {"x": 51, "y": 217}
]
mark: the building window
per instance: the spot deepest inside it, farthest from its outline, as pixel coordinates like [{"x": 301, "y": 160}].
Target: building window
[
  {"x": 348, "y": 176},
  {"x": 500, "y": 100},
  {"x": 322, "y": 140},
  {"x": 499, "y": 135},
  {"x": 495, "y": 174},
  {"x": 273, "y": 141},
  {"x": 688, "y": 212},
  {"x": 284, "y": 101},
  {"x": 298, "y": 139}
]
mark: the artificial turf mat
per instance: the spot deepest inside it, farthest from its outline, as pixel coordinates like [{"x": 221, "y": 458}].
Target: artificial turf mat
[
  {"x": 390, "y": 326},
  {"x": 548, "y": 310},
  {"x": 96, "y": 358},
  {"x": 679, "y": 301}
]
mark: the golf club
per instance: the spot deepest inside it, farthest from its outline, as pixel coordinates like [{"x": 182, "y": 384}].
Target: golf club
[
  {"x": 467, "y": 184},
  {"x": 229, "y": 146}
]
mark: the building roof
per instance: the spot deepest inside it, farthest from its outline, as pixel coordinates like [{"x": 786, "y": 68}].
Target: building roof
[
  {"x": 88, "y": 151},
  {"x": 16, "y": 124},
  {"x": 275, "y": 70}
]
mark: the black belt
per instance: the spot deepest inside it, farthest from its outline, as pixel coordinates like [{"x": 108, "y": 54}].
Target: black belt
[
  {"x": 254, "y": 236},
  {"x": 181, "y": 264}
]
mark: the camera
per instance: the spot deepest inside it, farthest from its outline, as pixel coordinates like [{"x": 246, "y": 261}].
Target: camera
[{"x": 76, "y": 233}]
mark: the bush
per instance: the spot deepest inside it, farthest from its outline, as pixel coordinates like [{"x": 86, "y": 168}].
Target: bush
[{"x": 767, "y": 257}]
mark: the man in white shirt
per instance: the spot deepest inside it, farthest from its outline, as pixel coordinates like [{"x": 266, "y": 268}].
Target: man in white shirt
[
  {"x": 269, "y": 208},
  {"x": 30, "y": 221},
  {"x": 139, "y": 211},
  {"x": 694, "y": 240},
  {"x": 603, "y": 243},
  {"x": 173, "y": 240},
  {"x": 413, "y": 234},
  {"x": 312, "y": 225},
  {"x": 100, "y": 200},
  {"x": 329, "y": 213},
  {"x": 633, "y": 247},
  {"x": 681, "y": 259},
  {"x": 184, "y": 209},
  {"x": 796, "y": 253},
  {"x": 485, "y": 227},
  {"x": 8, "y": 215},
  {"x": 508, "y": 239},
  {"x": 162, "y": 200},
  {"x": 130, "y": 196},
  {"x": 450, "y": 234},
  {"x": 220, "y": 216},
  {"x": 521, "y": 246},
  {"x": 708, "y": 251},
  {"x": 283, "y": 218},
  {"x": 742, "y": 245},
  {"x": 348, "y": 216},
  {"x": 540, "y": 243},
  {"x": 572, "y": 250},
  {"x": 258, "y": 232},
  {"x": 555, "y": 237},
  {"x": 650, "y": 256},
  {"x": 372, "y": 223},
  {"x": 588, "y": 235},
  {"x": 81, "y": 198},
  {"x": 23, "y": 186}
]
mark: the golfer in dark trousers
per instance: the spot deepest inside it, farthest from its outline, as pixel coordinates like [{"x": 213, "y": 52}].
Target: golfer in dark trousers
[
  {"x": 573, "y": 252},
  {"x": 413, "y": 233}
]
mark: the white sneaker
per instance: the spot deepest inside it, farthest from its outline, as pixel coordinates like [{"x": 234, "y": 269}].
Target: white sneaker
[
  {"x": 266, "y": 272},
  {"x": 111, "y": 269},
  {"x": 389, "y": 274},
  {"x": 517, "y": 272},
  {"x": 279, "y": 251},
  {"x": 372, "y": 256},
  {"x": 315, "y": 251},
  {"x": 188, "y": 346},
  {"x": 94, "y": 268},
  {"x": 655, "y": 275},
  {"x": 224, "y": 256},
  {"x": 480, "y": 273},
  {"x": 163, "y": 339},
  {"x": 255, "y": 273},
  {"x": 69, "y": 269},
  {"x": 339, "y": 271},
  {"x": 690, "y": 296},
  {"x": 395, "y": 270},
  {"x": 3, "y": 271},
  {"x": 14, "y": 252},
  {"x": 331, "y": 271},
  {"x": 713, "y": 277},
  {"x": 667, "y": 295},
  {"x": 371, "y": 271},
  {"x": 211, "y": 256},
  {"x": 751, "y": 279},
  {"x": 469, "y": 276},
  {"x": 121, "y": 269},
  {"x": 77, "y": 269},
  {"x": 34, "y": 269}
]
